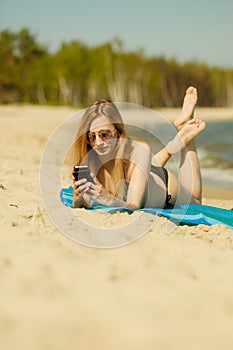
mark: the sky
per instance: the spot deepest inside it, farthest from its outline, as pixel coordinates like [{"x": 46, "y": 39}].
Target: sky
[{"x": 200, "y": 30}]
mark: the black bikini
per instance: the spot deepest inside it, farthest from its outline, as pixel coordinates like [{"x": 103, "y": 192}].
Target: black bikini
[{"x": 163, "y": 174}]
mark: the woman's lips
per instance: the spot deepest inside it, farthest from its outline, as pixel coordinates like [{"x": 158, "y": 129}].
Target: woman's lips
[{"x": 102, "y": 149}]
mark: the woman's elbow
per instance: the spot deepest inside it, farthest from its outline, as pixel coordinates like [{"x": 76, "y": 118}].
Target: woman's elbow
[{"x": 133, "y": 206}]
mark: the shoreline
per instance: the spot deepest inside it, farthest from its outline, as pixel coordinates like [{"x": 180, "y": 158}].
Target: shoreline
[
  {"x": 204, "y": 113},
  {"x": 30, "y": 121},
  {"x": 208, "y": 114}
]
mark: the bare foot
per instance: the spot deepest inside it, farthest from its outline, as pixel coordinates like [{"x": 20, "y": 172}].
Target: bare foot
[
  {"x": 188, "y": 107},
  {"x": 189, "y": 131}
]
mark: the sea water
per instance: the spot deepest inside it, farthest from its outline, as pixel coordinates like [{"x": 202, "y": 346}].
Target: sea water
[
  {"x": 214, "y": 148},
  {"x": 215, "y": 151}
]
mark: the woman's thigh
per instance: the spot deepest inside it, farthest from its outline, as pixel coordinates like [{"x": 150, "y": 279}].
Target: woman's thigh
[
  {"x": 156, "y": 195},
  {"x": 179, "y": 194}
]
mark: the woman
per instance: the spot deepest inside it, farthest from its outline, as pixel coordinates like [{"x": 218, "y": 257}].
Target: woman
[{"x": 124, "y": 172}]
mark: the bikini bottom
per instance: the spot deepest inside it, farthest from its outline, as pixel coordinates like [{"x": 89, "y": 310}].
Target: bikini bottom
[{"x": 163, "y": 174}]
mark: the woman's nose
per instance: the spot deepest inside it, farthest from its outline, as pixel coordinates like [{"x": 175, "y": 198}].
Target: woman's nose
[{"x": 98, "y": 140}]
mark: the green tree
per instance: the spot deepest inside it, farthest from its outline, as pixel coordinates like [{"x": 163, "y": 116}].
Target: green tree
[
  {"x": 8, "y": 68},
  {"x": 78, "y": 74}
]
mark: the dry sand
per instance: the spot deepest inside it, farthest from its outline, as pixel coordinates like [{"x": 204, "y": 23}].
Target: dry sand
[{"x": 164, "y": 291}]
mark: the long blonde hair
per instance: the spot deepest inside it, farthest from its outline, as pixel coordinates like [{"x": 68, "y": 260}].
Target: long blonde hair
[{"x": 83, "y": 152}]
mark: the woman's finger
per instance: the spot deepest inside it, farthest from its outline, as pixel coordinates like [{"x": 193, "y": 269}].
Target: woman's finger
[
  {"x": 96, "y": 181},
  {"x": 80, "y": 182},
  {"x": 77, "y": 191}
]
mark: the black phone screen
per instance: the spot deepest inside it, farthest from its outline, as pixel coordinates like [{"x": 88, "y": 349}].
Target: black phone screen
[{"x": 82, "y": 172}]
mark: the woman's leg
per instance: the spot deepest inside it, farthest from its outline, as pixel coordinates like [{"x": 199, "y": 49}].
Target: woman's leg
[
  {"x": 188, "y": 107},
  {"x": 188, "y": 186},
  {"x": 189, "y": 182},
  {"x": 187, "y": 113}
]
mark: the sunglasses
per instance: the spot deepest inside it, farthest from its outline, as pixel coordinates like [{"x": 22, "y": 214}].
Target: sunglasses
[{"x": 105, "y": 135}]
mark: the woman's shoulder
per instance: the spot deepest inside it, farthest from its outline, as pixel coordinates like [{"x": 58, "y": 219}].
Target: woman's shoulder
[
  {"x": 140, "y": 145},
  {"x": 139, "y": 150}
]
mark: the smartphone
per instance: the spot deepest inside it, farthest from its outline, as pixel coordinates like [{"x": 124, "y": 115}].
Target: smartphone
[{"x": 82, "y": 172}]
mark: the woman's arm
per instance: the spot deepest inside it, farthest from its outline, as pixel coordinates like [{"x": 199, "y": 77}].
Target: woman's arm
[{"x": 138, "y": 174}]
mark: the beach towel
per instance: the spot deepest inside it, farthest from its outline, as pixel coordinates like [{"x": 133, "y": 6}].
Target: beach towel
[{"x": 189, "y": 214}]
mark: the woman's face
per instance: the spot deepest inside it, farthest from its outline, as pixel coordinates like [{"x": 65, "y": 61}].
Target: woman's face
[{"x": 103, "y": 136}]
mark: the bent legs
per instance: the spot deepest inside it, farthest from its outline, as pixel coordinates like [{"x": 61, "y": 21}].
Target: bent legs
[
  {"x": 189, "y": 175},
  {"x": 188, "y": 186}
]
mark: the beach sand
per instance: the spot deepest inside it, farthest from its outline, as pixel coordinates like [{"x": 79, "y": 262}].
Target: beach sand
[{"x": 164, "y": 291}]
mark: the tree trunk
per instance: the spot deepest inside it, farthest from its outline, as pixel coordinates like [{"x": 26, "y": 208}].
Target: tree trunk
[{"x": 40, "y": 93}]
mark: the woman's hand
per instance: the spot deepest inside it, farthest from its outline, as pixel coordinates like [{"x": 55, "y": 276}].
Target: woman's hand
[
  {"x": 81, "y": 195},
  {"x": 85, "y": 191},
  {"x": 98, "y": 193}
]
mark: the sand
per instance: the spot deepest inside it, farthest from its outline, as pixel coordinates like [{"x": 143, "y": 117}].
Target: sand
[{"x": 164, "y": 291}]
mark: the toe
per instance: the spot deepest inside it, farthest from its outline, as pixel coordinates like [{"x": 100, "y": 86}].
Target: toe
[{"x": 190, "y": 90}]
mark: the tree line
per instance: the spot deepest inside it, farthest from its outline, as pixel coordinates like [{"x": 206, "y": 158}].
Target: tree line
[{"x": 77, "y": 74}]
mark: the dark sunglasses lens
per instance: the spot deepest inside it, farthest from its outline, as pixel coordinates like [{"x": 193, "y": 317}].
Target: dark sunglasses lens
[
  {"x": 106, "y": 134},
  {"x": 103, "y": 134}
]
